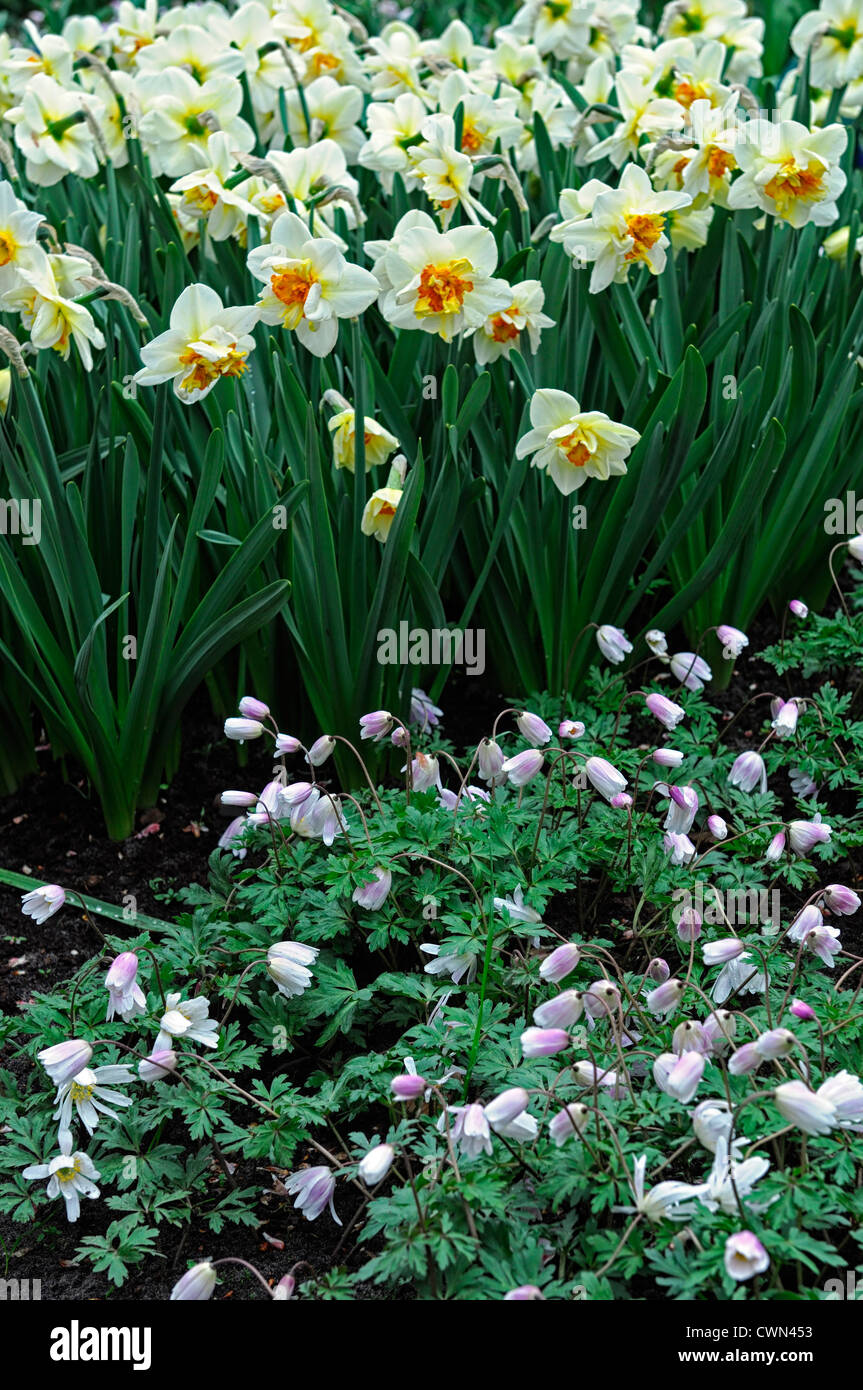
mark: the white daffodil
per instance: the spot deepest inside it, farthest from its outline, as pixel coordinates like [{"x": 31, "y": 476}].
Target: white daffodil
[
  {"x": 393, "y": 129},
  {"x": 52, "y": 320},
  {"x": 205, "y": 194},
  {"x": 790, "y": 171},
  {"x": 379, "y": 512},
  {"x": 643, "y": 113},
  {"x": 485, "y": 119},
  {"x": 572, "y": 444},
  {"x": 52, "y": 133},
  {"x": 705, "y": 168},
  {"x": 379, "y": 443},
  {"x": 832, "y": 36},
  {"x": 70, "y": 1176},
  {"x": 19, "y": 249},
  {"x": 306, "y": 174},
  {"x": 308, "y": 284},
  {"x": 180, "y": 114},
  {"x": 189, "y": 1019},
  {"x": 205, "y": 341},
  {"x": 328, "y": 111},
  {"x": 87, "y": 1094},
  {"x": 672, "y": 1201},
  {"x": 445, "y": 173},
  {"x": 438, "y": 282},
  {"x": 626, "y": 227},
  {"x": 502, "y": 332}
]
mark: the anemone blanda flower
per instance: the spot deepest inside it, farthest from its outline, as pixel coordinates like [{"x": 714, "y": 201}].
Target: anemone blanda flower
[
  {"x": 189, "y": 1019},
  {"x": 574, "y": 445},
  {"x": 71, "y": 1175},
  {"x": 205, "y": 341},
  {"x": 89, "y": 1095}
]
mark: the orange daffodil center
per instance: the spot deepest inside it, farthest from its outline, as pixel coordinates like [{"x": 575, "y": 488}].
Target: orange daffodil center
[
  {"x": 572, "y": 444},
  {"x": 443, "y": 288}
]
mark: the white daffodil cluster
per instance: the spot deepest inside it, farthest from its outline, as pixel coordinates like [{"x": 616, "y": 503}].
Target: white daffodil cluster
[{"x": 259, "y": 120}]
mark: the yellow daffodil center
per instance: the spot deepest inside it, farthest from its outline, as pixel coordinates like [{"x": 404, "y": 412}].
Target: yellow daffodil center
[
  {"x": 204, "y": 371},
  {"x": 645, "y": 230},
  {"x": 503, "y": 330},
  {"x": 575, "y": 449},
  {"x": 292, "y": 286},
  {"x": 8, "y": 247},
  {"x": 443, "y": 287},
  {"x": 793, "y": 184},
  {"x": 471, "y": 137},
  {"x": 719, "y": 162},
  {"x": 687, "y": 92},
  {"x": 557, "y": 9},
  {"x": 845, "y": 37},
  {"x": 201, "y": 198}
]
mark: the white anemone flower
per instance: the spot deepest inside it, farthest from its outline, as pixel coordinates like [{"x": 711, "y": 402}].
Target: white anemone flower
[
  {"x": 90, "y": 1098},
  {"x": 189, "y": 1019},
  {"x": 288, "y": 965},
  {"x": 672, "y": 1201},
  {"x": 205, "y": 341},
  {"x": 70, "y": 1175},
  {"x": 574, "y": 445}
]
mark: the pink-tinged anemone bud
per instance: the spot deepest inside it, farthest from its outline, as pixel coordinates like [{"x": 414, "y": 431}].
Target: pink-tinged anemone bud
[
  {"x": 507, "y": 1107},
  {"x": 784, "y": 722},
  {"x": 285, "y": 1289},
  {"x": 560, "y": 963},
  {"x": 657, "y": 643},
  {"x": 689, "y": 925},
  {"x": 690, "y": 670},
  {"x": 125, "y": 997},
  {"x": 776, "y": 1042},
  {"x": 568, "y": 1123},
  {"x": 490, "y": 761},
  {"x": 543, "y": 1042},
  {"x": 776, "y": 848},
  {"x": 285, "y": 745},
  {"x": 604, "y": 778},
  {"x": 534, "y": 729},
  {"x": 667, "y": 757},
  {"x": 719, "y": 952},
  {"x": 855, "y": 548},
  {"x": 238, "y": 798},
  {"x": 42, "y": 903},
  {"x": 471, "y": 1131},
  {"x": 800, "y": 1009},
  {"x": 232, "y": 833},
  {"x": 399, "y": 738},
  {"x": 711, "y": 1121},
  {"x": 824, "y": 942},
  {"x": 748, "y": 772},
  {"x": 719, "y": 1029},
  {"x": 288, "y": 965},
  {"x": 570, "y": 728},
  {"x": 523, "y": 767},
  {"x": 561, "y": 1012},
  {"x": 841, "y": 900},
  {"x": 666, "y": 711},
  {"x": 525, "y": 1293},
  {"x": 158, "y": 1066},
  {"x": 682, "y": 809},
  {"x": 685, "y": 1076},
  {"x": 678, "y": 847},
  {"x": 814, "y": 1114},
  {"x": 806, "y": 834},
  {"x": 602, "y": 998},
  {"x": 376, "y": 725},
  {"x": 745, "y": 1256},
  {"x": 744, "y": 1060},
  {"x": 122, "y": 972},
  {"x": 621, "y": 801},
  {"x": 845, "y": 1093},
  {"x": 295, "y": 793},
  {"x": 196, "y": 1285},
  {"x": 688, "y": 1037},
  {"x": 717, "y": 827},
  {"x": 733, "y": 641},
  {"x": 320, "y": 750},
  {"x": 799, "y": 608},
  {"x": 240, "y": 730},
  {"x": 425, "y": 772},
  {"x": 408, "y": 1087},
  {"x": 665, "y": 998},
  {"x": 375, "y": 1165},
  {"x": 658, "y": 970},
  {"x": 64, "y": 1060},
  {"x": 372, "y": 896},
  {"x": 613, "y": 643},
  {"x": 806, "y": 921},
  {"x": 422, "y": 711},
  {"x": 250, "y": 708},
  {"x": 314, "y": 1189}
]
